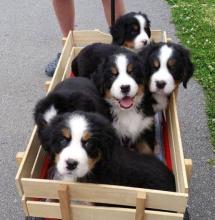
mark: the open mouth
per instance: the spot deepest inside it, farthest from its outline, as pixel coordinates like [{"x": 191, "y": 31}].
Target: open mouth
[{"x": 126, "y": 102}]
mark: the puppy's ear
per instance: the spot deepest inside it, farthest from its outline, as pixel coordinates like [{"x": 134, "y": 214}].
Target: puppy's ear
[
  {"x": 38, "y": 115},
  {"x": 188, "y": 65},
  {"x": 144, "y": 56},
  {"x": 98, "y": 77},
  {"x": 118, "y": 31}
]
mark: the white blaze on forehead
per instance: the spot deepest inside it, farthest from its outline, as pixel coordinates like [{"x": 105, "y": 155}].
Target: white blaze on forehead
[
  {"x": 78, "y": 126},
  {"x": 141, "y": 20},
  {"x": 164, "y": 55},
  {"x": 121, "y": 63},
  {"x": 123, "y": 78},
  {"x": 50, "y": 114},
  {"x": 142, "y": 36},
  {"x": 74, "y": 151}
]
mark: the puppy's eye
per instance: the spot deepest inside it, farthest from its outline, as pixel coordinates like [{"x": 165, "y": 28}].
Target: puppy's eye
[
  {"x": 64, "y": 141},
  {"x": 171, "y": 62},
  {"x": 114, "y": 71},
  {"x": 130, "y": 68}
]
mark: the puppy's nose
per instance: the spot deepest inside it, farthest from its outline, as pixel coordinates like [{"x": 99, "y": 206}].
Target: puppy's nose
[
  {"x": 71, "y": 164},
  {"x": 160, "y": 84},
  {"x": 144, "y": 42},
  {"x": 125, "y": 88}
]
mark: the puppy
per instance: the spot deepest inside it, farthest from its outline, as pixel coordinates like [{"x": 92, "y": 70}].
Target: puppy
[
  {"x": 166, "y": 65},
  {"x": 120, "y": 80},
  {"x": 91, "y": 56},
  {"x": 131, "y": 30},
  {"x": 72, "y": 94},
  {"x": 87, "y": 149}
]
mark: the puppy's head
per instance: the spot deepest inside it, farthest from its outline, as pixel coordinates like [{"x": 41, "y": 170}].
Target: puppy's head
[
  {"x": 166, "y": 65},
  {"x": 78, "y": 141},
  {"x": 58, "y": 103},
  {"x": 120, "y": 79},
  {"x": 131, "y": 30}
]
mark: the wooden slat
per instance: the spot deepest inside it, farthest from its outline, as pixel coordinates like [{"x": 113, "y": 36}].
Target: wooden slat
[
  {"x": 19, "y": 157},
  {"x": 188, "y": 166},
  {"x": 176, "y": 146},
  {"x": 157, "y": 35},
  {"x": 64, "y": 200},
  {"x": 77, "y": 50},
  {"x": 85, "y": 37},
  {"x": 81, "y": 212},
  {"x": 38, "y": 163},
  {"x": 58, "y": 74},
  {"x": 24, "y": 205},
  {"x": 106, "y": 194},
  {"x": 68, "y": 69},
  {"x": 140, "y": 206},
  {"x": 63, "y": 40},
  {"x": 28, "y": 160},
  {"x": 47, "y": 84}
]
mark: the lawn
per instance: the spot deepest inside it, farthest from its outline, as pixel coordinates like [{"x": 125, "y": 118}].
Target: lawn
[{"x": 195, "y": 25}]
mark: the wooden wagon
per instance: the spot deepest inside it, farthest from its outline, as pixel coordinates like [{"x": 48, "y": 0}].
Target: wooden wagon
[{"x": 142, "y": 203}]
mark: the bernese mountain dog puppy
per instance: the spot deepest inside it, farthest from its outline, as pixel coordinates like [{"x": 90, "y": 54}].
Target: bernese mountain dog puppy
[
  {"x": 91, "y": 56},
  {"x": 166, "y": 65},
  {"x": 72, "y": 94},
  {"x": 86, "y": 149},
  {"x": 120, "y": 80},
  {"x": 131, "y": 30}
]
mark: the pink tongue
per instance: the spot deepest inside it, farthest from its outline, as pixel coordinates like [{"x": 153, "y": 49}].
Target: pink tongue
[{"x": 126, "y": 102}]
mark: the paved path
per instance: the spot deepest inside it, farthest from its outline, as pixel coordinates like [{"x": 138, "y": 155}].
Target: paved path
[{"x": 29, "y": 39}]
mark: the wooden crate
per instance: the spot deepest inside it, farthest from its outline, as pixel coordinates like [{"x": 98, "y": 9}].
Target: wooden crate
[{"x": 142, "y": 203}]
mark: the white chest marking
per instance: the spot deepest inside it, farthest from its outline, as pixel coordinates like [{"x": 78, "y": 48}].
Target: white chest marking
[
  {"x": 131, "y": 124},
  {"x": 162, "y": 102}
]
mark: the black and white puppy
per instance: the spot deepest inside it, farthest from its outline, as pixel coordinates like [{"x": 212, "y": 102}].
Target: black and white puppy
[
  {"x": 120, "y": 80},
  {"x": 166, "y": 66},
  {"x": 91, "y": 56},
  {"x": 86, "y": 149},
  {"x": 70, "y": 95},
  {"x": 131, "y": 30}
]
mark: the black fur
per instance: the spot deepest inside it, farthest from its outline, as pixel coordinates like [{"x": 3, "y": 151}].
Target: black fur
[
  {"x": 117, "y": 165},
  {"x": 91, "y": 56},
  {"x": 70, "y": 95},
  {"x": 122, "y": 30}
]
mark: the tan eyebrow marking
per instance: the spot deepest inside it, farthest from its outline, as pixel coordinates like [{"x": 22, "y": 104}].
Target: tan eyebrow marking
[
  {"x": 86, "y": 136},
  {"x": 130, "y": 67},
  {"x": 66, "y": 133},
  {"x": 171, "y": 62},
  {"x": 156, "y": 63},
  {"x": 135, "y": 27},
  {"x": 114, "y": 70}
]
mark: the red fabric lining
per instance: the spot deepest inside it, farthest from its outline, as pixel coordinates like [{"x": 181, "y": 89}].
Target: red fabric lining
[{"x": 166, "y": 145}]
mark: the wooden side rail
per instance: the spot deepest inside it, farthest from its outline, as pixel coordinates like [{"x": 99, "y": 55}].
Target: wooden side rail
[
  {"x": 188, "y": 166},
  {"x": 47, "y": 84},
  {"x": 19, "y": 157}
]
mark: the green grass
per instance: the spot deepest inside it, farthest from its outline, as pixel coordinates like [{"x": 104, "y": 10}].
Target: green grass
[{"x": 195, "y": 25}]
